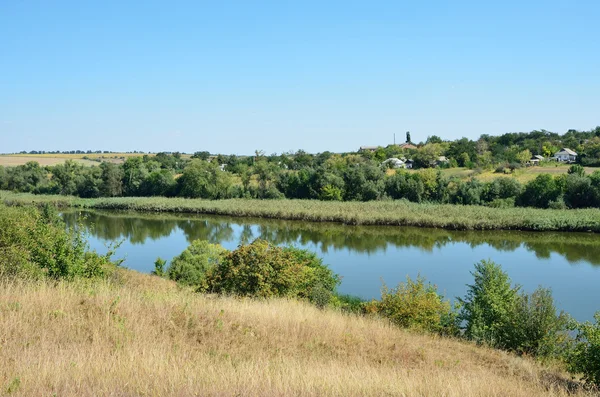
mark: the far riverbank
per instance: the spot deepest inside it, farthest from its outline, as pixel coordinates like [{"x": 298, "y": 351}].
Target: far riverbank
[{"x": 382, "y": 213}]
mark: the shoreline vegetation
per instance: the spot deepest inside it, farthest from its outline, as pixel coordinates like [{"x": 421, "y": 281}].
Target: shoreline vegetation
[{"x": 377, "y": 213}]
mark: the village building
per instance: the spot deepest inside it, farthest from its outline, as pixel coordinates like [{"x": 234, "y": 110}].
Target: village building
[{"x": 565, "y": 155}]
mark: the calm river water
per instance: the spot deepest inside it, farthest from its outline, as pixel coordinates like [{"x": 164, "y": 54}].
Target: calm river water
[{"x": 568, "y": 263}]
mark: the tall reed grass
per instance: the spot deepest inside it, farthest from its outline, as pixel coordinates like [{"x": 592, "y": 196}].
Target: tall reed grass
[{"x": 393, "y": 213}]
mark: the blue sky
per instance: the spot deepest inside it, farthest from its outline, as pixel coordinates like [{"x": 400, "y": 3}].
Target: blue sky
[{"x": 236, "y": 76}]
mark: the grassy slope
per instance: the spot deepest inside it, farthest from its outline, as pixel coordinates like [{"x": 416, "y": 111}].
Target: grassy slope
[
  {"x": 370, "y": 213},
  {"x": 523, "y": 175},
  {"x": 140, "y": 335}
]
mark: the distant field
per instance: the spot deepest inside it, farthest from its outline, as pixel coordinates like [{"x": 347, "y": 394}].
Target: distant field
[
  {"x": 523, "y": 175},
  {"x": 10, "y": 160}
]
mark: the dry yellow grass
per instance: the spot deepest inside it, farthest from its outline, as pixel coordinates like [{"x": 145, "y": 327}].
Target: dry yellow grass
[
  {"x": 144, "y": 336},
  {"x": 14, "y": 160},
  {"x": 10, "y": 160}
]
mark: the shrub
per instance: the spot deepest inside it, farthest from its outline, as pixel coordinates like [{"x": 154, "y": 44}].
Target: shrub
[
  {"x": 415, "y": 304},
  {"x": 577, "y": 170},
  {"x": 585, "y": 358},
  {"x": 192, "y": 265},
  {"x": 541, "y": 191},
  {"x": 263, "y": 270},
  {"x": 538, "y": 329},
  {"x": 502, "y": 316},
  {"x": 488, "y": 306},
  {"x": 37, "y": 244}
]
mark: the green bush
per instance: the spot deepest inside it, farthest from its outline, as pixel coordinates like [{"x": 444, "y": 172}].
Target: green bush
[
  {"x": 37, "y": 244},
  {"x": 487, "y": 310},
  {"x": 502, "y": 316},
  {"x": 585, "y": 358},
  {"x": 263, "y": 270},
  {"x": 538, "y": 329},
  {"x": 192, "y": 265},
  {"x": 415, "y": 304}
]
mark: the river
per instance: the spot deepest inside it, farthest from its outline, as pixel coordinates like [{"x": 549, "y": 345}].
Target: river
[{"x": 366, "y": 256}]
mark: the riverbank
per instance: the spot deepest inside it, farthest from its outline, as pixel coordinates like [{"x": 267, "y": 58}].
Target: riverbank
[
  {"x": 388, "y": 213},
  {"x": 138, "y": 334}
]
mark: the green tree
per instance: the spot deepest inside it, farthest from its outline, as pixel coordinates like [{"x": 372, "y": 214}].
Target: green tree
[
  {"x": 524, "y": 156},
  {"x": 488, "y": 306},
  {"x": 134, "y": 173},
  {"x": 201, "y": 179},
  {"x": 586, "y": 357},
  {"x": 408, "y": 137},
  {"x": 112, "y": 176},
  {"x": 540, "y": 192},
  {"x": 192, "y": 265},
  {"x": 203, "y": 155}
]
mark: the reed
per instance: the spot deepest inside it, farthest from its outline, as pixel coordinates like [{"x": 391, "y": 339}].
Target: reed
[{"x": 391, "y": 213}]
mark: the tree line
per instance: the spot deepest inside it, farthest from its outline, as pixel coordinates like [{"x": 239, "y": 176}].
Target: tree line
[{"x": 356, "y": 176}]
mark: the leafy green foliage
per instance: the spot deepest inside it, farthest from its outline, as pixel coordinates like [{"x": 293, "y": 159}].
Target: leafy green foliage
[
  {"x": 263, "y": 270},
  {"x": 37, "y": 244},
  {"x": 488, "y": 306},
  {"x": 417, "y": 305},
  {"x": 192, "y": 265},
  {"x": 499, "y": 315},
  {"x": 585, "y": 358}
]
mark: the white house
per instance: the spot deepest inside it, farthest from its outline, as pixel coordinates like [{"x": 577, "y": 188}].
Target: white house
[
  {"x": 394, "y": 162},
  {"x": 566, "y": 155}
]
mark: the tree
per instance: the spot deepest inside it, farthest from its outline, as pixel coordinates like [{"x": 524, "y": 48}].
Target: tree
[
  {"x": 203, "y": 155},
  {"x": 112, "y": 176},
  {"x": 524, "y": 156},
  {"x": 427, "y": 155},
  {"x": 408, "y": 137},
  {"x": 433, "y": 139},
  {"x": 65, "y": 175},
  {"x": 540, "y": 192},
  {"x": 488, "y": 305},
  {"x": 134, "y": 173},
  {"x": 201, "y": 179}
]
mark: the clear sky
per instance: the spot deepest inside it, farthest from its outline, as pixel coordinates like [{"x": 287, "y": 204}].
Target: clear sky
[{"x": 236, "y": 76}]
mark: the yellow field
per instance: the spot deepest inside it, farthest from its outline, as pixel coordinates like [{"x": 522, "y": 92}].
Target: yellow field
[
  {"x": 141, "y": 335},
  {"x": 9, "y": 160}
]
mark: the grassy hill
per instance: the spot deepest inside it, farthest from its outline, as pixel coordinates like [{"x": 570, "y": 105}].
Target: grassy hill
[{"x": 141, "y": 335}]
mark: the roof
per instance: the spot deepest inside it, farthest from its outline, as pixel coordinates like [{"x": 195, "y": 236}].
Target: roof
[
  {"x": 407, "y": 145},
  {"x": 442, "y": 158},
  {"x": 393, "y": 160},
  {"x": 539, "y": 157},
  {"x": 369, "y": 147},
  {"x": 566, "y": 150}
]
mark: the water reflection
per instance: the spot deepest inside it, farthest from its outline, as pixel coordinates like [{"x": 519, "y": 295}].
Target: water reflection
[{"x": 138, "y": 228}]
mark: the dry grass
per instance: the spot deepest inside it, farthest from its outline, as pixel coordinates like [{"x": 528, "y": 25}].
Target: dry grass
[
  {"x": 141, "y": 335},
  {"x": 12, "y": 161}
]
